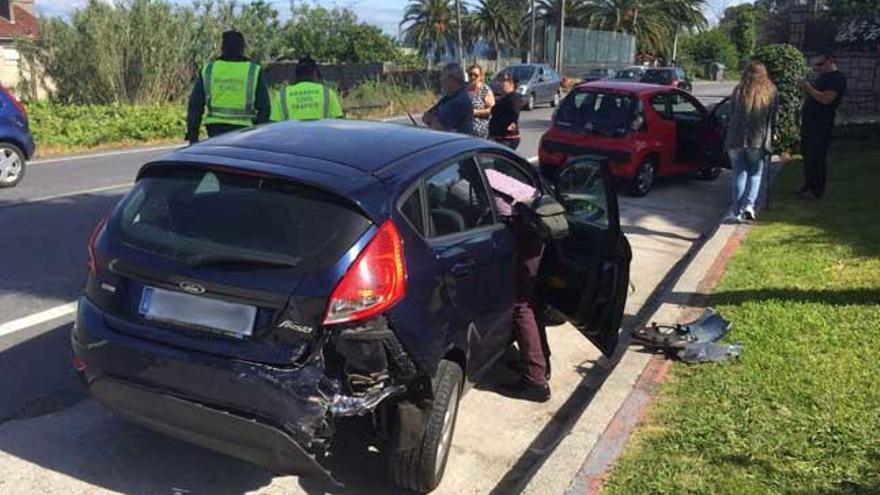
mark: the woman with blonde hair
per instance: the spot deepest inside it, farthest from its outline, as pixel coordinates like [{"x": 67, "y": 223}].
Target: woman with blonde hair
[{"x": 750, "y": 137}]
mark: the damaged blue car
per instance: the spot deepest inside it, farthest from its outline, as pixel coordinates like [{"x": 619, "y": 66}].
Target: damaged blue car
[{"x": 253, "y": 291}]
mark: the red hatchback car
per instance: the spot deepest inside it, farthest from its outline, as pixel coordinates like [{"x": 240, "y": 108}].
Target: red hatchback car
[{"x": 645, "y": 131}]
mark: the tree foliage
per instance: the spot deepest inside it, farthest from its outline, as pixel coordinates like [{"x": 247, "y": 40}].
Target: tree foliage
[
  {"x": 786, "y": 65},
  {"x": 431, "y": 26},
  {"x": 741, "y": 24},
  {"x": 707, "y": 46},
  {"x": 149, "y": 51},
  {"x": 498, "y": 22}
]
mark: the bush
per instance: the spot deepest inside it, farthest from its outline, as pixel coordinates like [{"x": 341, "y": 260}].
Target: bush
[
  {"x": 713, "y": 45},
  {"x": 787, "y": 66},
  {"x": 88, "y": 126}
]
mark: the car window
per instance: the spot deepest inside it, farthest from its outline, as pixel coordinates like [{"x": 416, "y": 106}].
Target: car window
[
  {"x": 659, "y": 103},
  {"x": 506, "y": 167},
  {"x": 411, "y": 208},
  {"x": 657, "y": 76},
  {"x": 182, "y": 212},
  {"x": 722, "y": 112},
  {"x": 597, "y": 112},
  {"x": 581, "y": 190},
  {"x": 680, "y": 73},
  {"x": 684, "y": 109},
  {"x": 457, "y": 199}
]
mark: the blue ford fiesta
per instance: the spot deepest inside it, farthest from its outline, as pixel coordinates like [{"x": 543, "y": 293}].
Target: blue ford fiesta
[{"x": 255, "y": 289}]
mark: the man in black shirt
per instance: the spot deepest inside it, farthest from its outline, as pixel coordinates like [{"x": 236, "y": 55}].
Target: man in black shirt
[
  {"x": 504, "y": 122},
  {"x": 820, "y": 104}
]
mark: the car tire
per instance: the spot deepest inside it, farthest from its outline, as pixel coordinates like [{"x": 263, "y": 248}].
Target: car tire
[
  {"x": 19, "y": 165},
  {"x": 710, "y": 173},
  {"x": 420, "y": 469},
  {"x": 555, "y": 102},
  {"x": 644, "y": 178},
  {"x": 530, "y": 103}
]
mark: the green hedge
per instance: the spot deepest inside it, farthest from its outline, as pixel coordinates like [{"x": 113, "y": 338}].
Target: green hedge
[
  {"x": 98, "y": 125},
  {"x": 787, "y": 66}
]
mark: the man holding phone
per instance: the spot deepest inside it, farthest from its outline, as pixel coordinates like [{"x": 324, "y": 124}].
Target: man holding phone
[{"x": 822, "y": 98}]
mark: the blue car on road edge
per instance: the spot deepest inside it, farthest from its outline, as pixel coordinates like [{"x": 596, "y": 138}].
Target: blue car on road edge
[
  {"x": 16, "y": 143},
  {"x": 254, "y": 290}
]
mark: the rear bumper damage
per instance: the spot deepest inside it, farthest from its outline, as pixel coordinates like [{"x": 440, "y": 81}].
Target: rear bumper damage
[{"x": 279, "y": 418}]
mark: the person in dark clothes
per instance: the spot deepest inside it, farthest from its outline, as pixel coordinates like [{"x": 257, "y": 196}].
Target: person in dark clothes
[
  {"x": 504, "y": 123},
  {"x": 231, "y": 89},
  {"x": 454, "y": 112},
  {"x": 822, "y": 98}
]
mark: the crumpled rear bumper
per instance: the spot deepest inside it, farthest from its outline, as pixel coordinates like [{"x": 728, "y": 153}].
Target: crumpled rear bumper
[{"x": 214, "y": 429}]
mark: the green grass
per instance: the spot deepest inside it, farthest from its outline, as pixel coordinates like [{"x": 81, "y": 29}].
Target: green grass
[{"x": 800, "y": 411}]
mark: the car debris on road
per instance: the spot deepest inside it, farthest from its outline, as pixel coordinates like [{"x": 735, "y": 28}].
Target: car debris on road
[{"x": 694, "y": 342}]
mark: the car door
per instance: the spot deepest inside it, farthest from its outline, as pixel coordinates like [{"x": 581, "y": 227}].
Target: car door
[
  {"x": 585, "y": 276},
  {"x": 662, "y": 132},
  {"x": 521, "y": 171},
  {"x": 716, "y": 131},
  {"x": 474, "y": 251},
  {"x": 541, "y": 84},
  {"x": 690, "y": 119}
]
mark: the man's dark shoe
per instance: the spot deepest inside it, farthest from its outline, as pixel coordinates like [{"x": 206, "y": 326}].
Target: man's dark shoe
[{"x": 522, "y": 389}]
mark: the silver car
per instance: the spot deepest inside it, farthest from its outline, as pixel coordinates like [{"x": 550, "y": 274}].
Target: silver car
[{"x": 536, "y": 83}]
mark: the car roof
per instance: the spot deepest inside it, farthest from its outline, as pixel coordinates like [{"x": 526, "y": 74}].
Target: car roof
[
  {"x": 356, "y": 144},
  {"x": 623, "y": 86}
]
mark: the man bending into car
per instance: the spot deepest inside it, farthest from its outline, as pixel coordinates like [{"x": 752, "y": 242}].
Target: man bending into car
[{"x": 512, "y": 200}]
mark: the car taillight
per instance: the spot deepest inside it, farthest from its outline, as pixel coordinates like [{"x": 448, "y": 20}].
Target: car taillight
[
  {"x": 93, "y": 263},
  {"x": 375, "y": 282},
  {"x": 15, "y": 102}
]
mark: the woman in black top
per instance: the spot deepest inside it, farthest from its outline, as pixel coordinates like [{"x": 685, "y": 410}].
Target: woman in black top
[{"x": 504, "y": 123}]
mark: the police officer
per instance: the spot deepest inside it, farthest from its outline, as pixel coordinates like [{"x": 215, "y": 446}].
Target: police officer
[
  {"x": 307, "y": 99},
  {"x": 232, "y": 90}
]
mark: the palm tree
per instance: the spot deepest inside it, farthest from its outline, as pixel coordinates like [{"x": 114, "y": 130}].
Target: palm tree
[
  {"x": 653, "y": 22},
  {"x": 430, "y": 26},
  {"x": 497, "y": 21},
  {"x": 548, "y": 12}
]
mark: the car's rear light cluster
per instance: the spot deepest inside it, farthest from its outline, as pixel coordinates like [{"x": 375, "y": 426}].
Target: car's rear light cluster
[
  {"x": 375, "y": 282},
  {"x": 93, "y": 262}
]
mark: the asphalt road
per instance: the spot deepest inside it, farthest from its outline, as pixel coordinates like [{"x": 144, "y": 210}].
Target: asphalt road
[{"x": 44, "y": 227}]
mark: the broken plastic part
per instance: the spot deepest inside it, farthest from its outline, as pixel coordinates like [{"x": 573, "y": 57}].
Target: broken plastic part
[
  {"x": 709, "y": 327},
  {"x": 345, "y": 405},
  {"x": 709, "y": 352}
]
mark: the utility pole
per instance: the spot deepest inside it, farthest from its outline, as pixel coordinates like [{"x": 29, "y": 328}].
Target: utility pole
[
  {"x": 458, "y": 34},
  {"x": 531, "y": 53},
  {"x": 675, "y": 46},
  {"x": 560, "y": 37}
]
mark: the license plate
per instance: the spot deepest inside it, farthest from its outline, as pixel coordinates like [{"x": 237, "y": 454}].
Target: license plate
[{"x": 209, "y": 314}]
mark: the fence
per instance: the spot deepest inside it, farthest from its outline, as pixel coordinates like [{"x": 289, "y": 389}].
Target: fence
[{"x": 588, "y": 49}]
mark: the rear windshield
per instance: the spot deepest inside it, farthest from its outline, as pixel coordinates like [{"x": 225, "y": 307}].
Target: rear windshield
[
  {"x": 193, "y": 213},
  {"x": 658, "y": 76},
  {"x": 594, "y": 112},
  {"x": 520, "y": 73},
  {"x": 628, "y": 74}
]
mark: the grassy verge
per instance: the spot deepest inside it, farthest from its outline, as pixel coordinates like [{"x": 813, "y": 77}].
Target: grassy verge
[
  {"x": 800, "y": 412},
  {"x": 69, "y": 129}
]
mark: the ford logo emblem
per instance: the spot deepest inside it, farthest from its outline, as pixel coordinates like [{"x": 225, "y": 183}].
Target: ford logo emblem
[{"x": 192, "y": 288}]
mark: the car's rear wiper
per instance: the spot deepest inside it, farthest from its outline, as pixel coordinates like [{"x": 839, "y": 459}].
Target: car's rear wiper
[{"x": 244, "y": 259}]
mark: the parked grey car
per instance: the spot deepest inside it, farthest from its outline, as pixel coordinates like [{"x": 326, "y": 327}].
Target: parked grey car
[{"x": 536, "y": 83}]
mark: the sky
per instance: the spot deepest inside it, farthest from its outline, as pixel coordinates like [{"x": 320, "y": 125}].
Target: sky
[{"x": 383, "y": 13}]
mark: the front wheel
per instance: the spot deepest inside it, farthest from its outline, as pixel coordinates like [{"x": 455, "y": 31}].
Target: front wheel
[
  {"x": 421, "y": 468},
  {"x": 12, "y": 165},
  {"x": 644, "y": 179}
]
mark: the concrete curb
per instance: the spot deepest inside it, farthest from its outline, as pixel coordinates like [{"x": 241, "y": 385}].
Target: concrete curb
[{"x": 699, "y": 279}]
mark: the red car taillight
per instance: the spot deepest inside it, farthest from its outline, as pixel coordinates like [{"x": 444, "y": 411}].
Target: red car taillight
[
  {"x": 93, "y": 263},
  {"x": 375, "y": 282},
  {"x": 15, "y": 102}
]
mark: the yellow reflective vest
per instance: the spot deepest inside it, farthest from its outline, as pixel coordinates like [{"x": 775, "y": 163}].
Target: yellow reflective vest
[
  {"x": 306, "y": 101},
  {"x": 230, "y": 91}
]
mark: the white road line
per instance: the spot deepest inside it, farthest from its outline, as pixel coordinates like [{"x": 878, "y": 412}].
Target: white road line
[
  {"x": 66, "y": 195},
  {"x": 108, "y": 153},
  {"x": 20, "y": 324}
]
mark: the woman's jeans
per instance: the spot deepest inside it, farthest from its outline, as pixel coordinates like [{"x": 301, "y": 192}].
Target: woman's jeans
[{"x": 747, "y": 165}]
